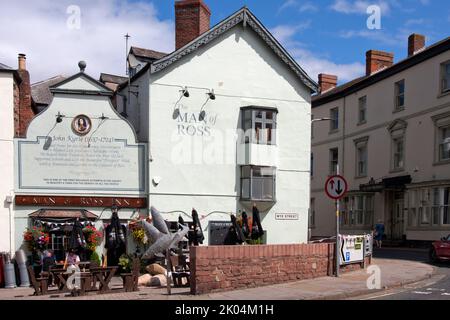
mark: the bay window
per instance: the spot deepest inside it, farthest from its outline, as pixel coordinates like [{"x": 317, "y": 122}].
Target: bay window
[
  {"x": 257, "y": 183},
  {"x": 259, "y": 125},
  {"x": 429, "y": 207},
  {"x": 358, "y": 211}
]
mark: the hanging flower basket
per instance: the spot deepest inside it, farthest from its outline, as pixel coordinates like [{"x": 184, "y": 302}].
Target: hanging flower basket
[
  {"x": 36, "y": 238},
  {"x": 93, "y": 237}
]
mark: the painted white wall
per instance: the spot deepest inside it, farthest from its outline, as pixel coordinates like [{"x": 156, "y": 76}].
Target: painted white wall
[
  {"x": 6, "y": 160},
  {"x": 423, "y": 101},
  {"x": 243, "y": 71}
]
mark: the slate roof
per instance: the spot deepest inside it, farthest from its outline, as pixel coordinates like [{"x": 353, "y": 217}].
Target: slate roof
[
  {"x": 40, "y": 91},
  {"x": 5, "y": 67},
  {"x": 105, "y": 77},
  {"x": 147, "y": 55}
]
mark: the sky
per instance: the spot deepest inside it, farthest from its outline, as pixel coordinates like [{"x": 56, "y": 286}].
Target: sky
[{"x": 328, "y": 36}]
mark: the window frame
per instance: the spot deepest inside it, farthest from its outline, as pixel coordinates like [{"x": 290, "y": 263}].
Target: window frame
[
  {"x": 334, "y": 123},
  {"x": 332, "y": 170},
  {"x": 394, "y": 151},
  {"x": 444, "y": 81},
  {"x": 361, "y": 143},
  {"x": 362, "y": 107},
  {"x": 441, "y": 122},
  {"x": 251, "y": 180},
  {"x": 358, "y": 210},
  {"x": 398, "y": 94},
  {"x": 254, "y": 138},
  {"x": 430, "y": 207}
]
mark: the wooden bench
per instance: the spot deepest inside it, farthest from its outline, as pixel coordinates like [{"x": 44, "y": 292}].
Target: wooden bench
[{"x": 40, "y": 284}]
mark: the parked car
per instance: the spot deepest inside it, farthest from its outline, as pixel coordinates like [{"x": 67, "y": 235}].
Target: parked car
[{"x": 440, "y": 250}]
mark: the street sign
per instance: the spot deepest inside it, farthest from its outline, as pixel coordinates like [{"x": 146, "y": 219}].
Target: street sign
[{"x": 336, "y": 187}]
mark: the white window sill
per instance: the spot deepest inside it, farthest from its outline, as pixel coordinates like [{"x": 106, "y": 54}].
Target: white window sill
[
  {"x": 398, "y": 109},
  {"x": 443, "y": 94},
  {"x": 442, "y": 162}
]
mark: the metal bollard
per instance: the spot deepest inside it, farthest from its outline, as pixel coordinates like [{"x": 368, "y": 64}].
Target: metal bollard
[
  {"x": 10, "y": 273},
  {"x": 21, "y": 260}
]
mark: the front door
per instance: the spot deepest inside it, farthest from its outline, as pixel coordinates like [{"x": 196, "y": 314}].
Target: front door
[{"x": 398, "y": 219}]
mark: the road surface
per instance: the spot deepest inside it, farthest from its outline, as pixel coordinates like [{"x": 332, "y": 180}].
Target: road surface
[{"x": 435, "y": 288}]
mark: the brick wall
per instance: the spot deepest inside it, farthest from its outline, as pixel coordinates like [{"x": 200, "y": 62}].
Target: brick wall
[{"x": 223, "y": 268}]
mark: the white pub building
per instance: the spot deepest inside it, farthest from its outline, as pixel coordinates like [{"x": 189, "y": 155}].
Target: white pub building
[
  {"x": 221, "y": 124},
  {"x": 192, "y": 107}
]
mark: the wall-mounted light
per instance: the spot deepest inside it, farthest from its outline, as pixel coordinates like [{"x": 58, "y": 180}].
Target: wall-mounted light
[
  {"x": 59, "y": 117},
  {"x": 185, "y": 92},
  {"x": 211, "y": 95}
]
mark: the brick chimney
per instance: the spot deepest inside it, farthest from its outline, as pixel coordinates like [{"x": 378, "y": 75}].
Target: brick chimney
[
  {"x": 23, "y": 112},
  {"x": 378, "y": 60},
  {"x": 416, "y": 42},
  {"x": 327, "y": 82},
  {"x": 192, "y": 18}
]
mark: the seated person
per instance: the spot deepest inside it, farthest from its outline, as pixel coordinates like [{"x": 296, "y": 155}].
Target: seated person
[
  {"x": 72, "y": 259},
  {"x": 48, "y": 261}
]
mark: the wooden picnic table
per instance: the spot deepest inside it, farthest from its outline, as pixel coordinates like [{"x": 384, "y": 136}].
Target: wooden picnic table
[{"x": 104, "y": 276}]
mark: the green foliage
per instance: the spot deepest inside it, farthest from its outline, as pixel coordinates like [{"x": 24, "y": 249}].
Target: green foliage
[
  {"x": 125, "y": 262},
  {"x": 95, "y": 258}
]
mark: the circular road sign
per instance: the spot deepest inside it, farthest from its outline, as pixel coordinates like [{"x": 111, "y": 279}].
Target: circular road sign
[{"x": 336, "y": 187}]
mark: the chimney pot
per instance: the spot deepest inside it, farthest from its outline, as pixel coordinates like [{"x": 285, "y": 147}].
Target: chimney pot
[
  {"x": 416, "y": 42},
  {"x": 378, "y": 60},
  {"x": 327, "y": 82},
  {"x": 192, "y": 18},
  {"x": 22, "y": 61}
]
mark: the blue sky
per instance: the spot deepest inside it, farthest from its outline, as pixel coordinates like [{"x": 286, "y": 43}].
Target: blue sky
[{"x": 328, "y": 36}]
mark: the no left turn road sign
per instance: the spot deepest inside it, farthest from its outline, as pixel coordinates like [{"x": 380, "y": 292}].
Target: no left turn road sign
[{"x": 336, "y": 187}]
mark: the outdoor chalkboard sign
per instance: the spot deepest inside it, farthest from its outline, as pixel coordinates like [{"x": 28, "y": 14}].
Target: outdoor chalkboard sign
[{"x": 218, "y": 231}]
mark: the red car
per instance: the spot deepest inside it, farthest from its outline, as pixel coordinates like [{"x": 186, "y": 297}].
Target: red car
[{"x": 440, "y": 250}]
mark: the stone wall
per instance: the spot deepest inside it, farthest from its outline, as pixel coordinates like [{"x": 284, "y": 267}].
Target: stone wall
[{"x": 215, "y": 269}]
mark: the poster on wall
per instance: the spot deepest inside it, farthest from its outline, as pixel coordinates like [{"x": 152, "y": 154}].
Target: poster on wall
[{"x": 351, "y": 249}]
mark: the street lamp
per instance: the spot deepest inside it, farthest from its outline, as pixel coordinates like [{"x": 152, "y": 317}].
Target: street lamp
[{"x": 321, "y": 119}]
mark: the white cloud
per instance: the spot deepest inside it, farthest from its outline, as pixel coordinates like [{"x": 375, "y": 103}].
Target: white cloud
[
  {"x": 308, "y": 7},
  {"x": 288, "y": 4},
  {"x": 284, "y": 33},
  {"x": 359, "y": 6},
  {"x": 301, "y": 7},
  {"x": 39, "y": 29},
  {"x": 415, "y": 22},
  {"x": 314, "y": 63}
]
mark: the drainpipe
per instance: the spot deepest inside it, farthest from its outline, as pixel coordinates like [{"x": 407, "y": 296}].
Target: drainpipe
[{"x": 11, "y": 233}]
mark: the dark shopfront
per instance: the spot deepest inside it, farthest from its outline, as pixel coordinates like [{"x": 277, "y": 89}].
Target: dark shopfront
[
  {"x": 59, "y": 215},
  {"x": 59, "y": 226},
  {"x": 393, "y": 191}
]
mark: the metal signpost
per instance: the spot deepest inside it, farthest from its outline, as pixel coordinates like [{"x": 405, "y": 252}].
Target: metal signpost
[{"x": 336, "y": 187}]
